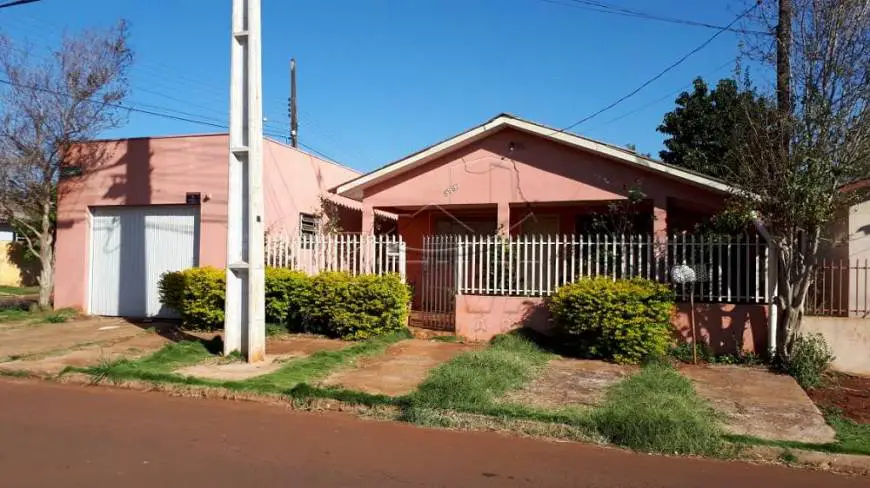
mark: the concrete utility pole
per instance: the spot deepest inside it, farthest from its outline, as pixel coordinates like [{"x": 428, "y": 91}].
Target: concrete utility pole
[
  {"x": 244, "y": 322},
  {"x": 294, "y": 121}
]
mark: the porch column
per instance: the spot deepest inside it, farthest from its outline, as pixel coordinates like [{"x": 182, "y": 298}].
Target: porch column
[
  {"x": 368, "y": 220},
  {"x": 660, "y": 220},
  {"x": 504, "y": 218},
  {"x": 660, "y": 235}
]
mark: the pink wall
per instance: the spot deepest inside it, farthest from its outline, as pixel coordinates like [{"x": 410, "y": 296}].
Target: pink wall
[
  {"x": 480, "y": 318},
  {"x": 160, "y": 171},
  {"x": 293, "y": 183},
  {"x": 723, "y": 326},
  {"x": 538, "y": 170}
]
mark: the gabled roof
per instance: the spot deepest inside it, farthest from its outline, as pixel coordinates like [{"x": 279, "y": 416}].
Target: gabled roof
[{"x": 354, "y": 188}]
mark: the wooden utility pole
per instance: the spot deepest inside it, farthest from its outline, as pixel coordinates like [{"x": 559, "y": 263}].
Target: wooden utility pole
[
  {"x": 294, "y": 121},
  {"x": 783, "y": 58},
  {"x": 245, "y": 320}
]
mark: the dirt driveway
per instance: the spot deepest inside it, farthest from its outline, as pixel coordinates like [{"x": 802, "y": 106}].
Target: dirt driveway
[{"x": 49, "y": 348}]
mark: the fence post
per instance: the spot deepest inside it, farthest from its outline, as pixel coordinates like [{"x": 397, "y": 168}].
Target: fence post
[
  {"x": 772, "y": 293},
  {"x": 460, "y": 268},
  {"x": 402, "y": 260}
]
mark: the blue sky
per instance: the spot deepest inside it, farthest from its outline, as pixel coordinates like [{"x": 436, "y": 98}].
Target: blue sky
[{"x": 379, "y": 79}]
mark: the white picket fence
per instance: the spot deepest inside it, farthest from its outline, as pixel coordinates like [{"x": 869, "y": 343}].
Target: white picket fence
[
  {"x": 351, "y": 253},
  {"x": 728, "y": 268}
]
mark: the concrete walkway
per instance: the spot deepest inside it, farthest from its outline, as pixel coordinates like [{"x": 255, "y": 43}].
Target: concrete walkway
[
  {"x": 756, "y": 402},
  {"x": 571, "y": 382},
  {"x": 399, "y": 370},
  {"x": 279, "y": 350}
]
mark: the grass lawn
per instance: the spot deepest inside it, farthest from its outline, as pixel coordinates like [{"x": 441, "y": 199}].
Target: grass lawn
[
  {"x": 19, "y": 290},
  {"x": 291, "y": 379},
  {"x": 655, "y": 410},
  {"x": 18, "y": 314}
]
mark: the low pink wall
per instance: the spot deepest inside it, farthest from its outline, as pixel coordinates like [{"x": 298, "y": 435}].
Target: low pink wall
[
  {"x": 723, "y": 326},
  {"x": 480, "y": 318}
]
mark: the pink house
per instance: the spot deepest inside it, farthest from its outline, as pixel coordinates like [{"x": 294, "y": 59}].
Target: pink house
[
  {"x": 131, "y": 209},
  {"x": 517, "y": 177}
]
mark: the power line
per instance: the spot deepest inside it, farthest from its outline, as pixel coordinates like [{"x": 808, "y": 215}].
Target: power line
[
  {"x": 154, "y": 75},
  {"x": 604, "y": 8},
  {"x": 151, "y": 113},
  {"x": 659, "y": 75},
  {"x": 657, "y": 100},
  {"x": 16, "y": 2}
]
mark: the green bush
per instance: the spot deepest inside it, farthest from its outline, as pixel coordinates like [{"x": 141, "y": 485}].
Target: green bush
[
  {"x": 357, "y": 307},
  {"x": 625, "y": 321},
  {"x": 335, "y": 304},
  {"x": 286, "y": 294},
  {"x": 810, "y": 358},
  {"x": 657, "y": 410},
  {"x": 197, "y": 294}
]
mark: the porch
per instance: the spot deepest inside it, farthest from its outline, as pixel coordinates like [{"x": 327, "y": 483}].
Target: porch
[{"x": 590, "y": 219}]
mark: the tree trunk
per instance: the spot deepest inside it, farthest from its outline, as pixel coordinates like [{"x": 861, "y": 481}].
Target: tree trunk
[
  {"x": 46, "y": 274},
  {"x": 46, "y": 258},
  {"x": 789, "y": 323}
]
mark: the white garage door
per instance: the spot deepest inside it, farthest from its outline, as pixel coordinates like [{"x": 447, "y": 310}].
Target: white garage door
[{"x": 130, "y": 248}]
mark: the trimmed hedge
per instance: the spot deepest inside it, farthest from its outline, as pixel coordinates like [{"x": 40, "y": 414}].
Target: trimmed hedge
[
  {"x": 197, "y": 294},
  {"x": 334, "y": 304},
  {"x": 625, "y": 321},
  {"x": 286, "y": 295}
]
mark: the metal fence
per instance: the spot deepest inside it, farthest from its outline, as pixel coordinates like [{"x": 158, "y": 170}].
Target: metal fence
[
  {"x": 728, "y": 268},
  {"x": 351, "y": 253},
  {"x": 840, "y": 289}
]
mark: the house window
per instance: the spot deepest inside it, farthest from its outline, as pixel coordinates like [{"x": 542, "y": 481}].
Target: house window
[
  {"x": 544, "y": 225},
  {"x": 308, "y": 225}
]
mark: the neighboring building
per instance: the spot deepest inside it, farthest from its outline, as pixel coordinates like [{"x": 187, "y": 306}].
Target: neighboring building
[
  {"x": 842, "y": 284},
  {"x": 7, "y": 233},
  {"x": 132, "y": 209},
  {"x": 10, "y": 273}
]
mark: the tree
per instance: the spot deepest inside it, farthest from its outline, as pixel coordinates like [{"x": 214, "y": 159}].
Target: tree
[
  {"x": 47, "y": 108},
  {"x": 793, "y": 162},
  {"x": 702, "y": 126}
]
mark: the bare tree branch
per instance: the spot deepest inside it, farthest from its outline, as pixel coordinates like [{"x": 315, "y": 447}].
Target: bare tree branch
[{"x": 47, "y": 108}]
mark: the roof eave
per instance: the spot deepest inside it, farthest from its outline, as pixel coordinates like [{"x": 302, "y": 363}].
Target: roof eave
[{"x": 355, "y": 188}]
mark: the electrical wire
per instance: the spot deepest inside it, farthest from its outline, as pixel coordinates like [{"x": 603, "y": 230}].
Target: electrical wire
[
  {"x": 156, "y": 75},
  {"x": 670, "y": 94},
  {"x": 660, "y": 74},
  {"x": 605, "y": 8},
  {"x": 153, "y": 113},
  {"x": 16, "y": 2}
]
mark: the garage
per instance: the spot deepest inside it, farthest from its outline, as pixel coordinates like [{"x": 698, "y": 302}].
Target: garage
[{"x": 131, "y": 247}]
